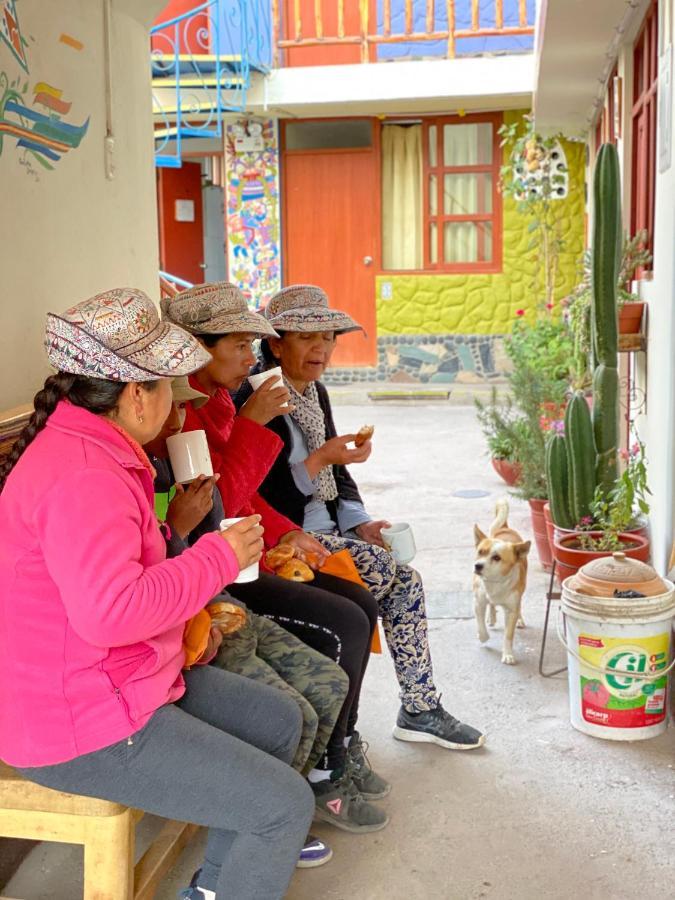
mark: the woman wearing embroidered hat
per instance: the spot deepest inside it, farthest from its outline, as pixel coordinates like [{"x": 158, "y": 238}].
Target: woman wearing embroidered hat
[
  {"x": 331, "y": 615},
  {"x": 92, "y": 697},
  {"x": 311, "y": 485}
]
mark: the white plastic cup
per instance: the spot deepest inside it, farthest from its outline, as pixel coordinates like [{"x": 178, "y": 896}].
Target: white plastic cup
[
  {"x": 256, "y": 380},
  {"x": 400, "y": 542},
  {"x": 189, "y": 455},
  {"x": 250, "y": 573}
]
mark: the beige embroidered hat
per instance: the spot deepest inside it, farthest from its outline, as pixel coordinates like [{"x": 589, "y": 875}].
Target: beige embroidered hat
[
  {"x": 304, "y": 307},
  {"x": 217, "y": 308},
  {"x": 118, "y": 336},
  {"x": 182, "y": 392}
]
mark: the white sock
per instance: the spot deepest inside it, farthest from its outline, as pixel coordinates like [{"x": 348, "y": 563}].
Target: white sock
[
  {"x": 317, "y": 775},
  {"x": 346, "y": 741},
  {"x": 208, "y": 895}
]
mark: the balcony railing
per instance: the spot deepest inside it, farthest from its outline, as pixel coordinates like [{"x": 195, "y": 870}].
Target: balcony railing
[{"x": 388, "y": 29}]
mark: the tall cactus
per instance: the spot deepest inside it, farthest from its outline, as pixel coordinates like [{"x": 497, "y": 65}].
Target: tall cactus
[
  {"x": 591, "y": 443},
  {"x": 607, "y": 241}
]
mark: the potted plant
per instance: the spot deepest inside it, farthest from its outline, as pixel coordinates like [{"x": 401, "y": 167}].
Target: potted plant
[
  {"x": 501, "y": 427},
  {"x": 586, "y": 491},
  {"x": 634, "y": 255}
]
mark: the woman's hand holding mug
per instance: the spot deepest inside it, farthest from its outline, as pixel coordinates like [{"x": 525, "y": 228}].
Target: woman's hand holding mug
[
  {"x": 245, "y": 538},
  {"x": 267, "y": 402}
]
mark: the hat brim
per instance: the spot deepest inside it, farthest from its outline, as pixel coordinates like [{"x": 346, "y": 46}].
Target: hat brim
[
  {"x": 312, "y": 319},
  {"x": 167, "y": 352},
  {"x": 234, "y": 323},
  {"x": 183, "y": 393}
]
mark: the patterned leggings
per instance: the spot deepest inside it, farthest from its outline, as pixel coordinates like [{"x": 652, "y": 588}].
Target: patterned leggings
[{"x": 399, "y": 593}]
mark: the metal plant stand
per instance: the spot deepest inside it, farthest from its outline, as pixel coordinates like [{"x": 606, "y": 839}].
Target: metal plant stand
[{"x": 551, "y": 595}]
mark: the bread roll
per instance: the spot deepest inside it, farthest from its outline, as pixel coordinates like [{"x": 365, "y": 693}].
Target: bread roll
[
  {"x": 279, "y": 555},
  {"x": 227, "y": 616},
  {"x": 364, "y": 434},
  {"x": 295, "y": 570}
]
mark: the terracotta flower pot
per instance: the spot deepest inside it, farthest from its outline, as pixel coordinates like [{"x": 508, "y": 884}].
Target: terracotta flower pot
[
  {"x": 544, "y": 549},
  {"x": 552, "y": 529},
  {"x": 630, "y": 318},
  {"x": 569, "y": 559},
  {"x": 507, "y": 470}
]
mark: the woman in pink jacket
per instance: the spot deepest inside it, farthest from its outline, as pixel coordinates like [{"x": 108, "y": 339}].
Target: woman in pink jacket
[{"x": 92, "y": 696}]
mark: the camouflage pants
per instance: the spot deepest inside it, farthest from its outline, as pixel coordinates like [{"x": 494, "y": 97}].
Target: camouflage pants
[
  {"x": 399, "y": 592},
  {"x": 266, "y": 652}
]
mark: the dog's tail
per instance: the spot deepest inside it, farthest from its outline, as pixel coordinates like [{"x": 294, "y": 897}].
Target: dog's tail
[{"x": 501, "y": 516}]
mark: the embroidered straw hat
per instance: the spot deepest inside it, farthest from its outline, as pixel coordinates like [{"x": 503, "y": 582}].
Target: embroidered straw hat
[
  {"x": 304, "y": 307},
  {"x": 182, "y": 392},
  {"x": 118, "y": 336},
  {"x": 217, "y": 308}
]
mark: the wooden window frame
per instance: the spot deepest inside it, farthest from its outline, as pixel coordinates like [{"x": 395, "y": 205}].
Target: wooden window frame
[
  {"x": 492, "y": 168},
  {"x": 643, "y": 117}
]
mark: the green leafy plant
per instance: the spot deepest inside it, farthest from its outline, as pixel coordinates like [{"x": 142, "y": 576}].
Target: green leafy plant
[
  {"x": 539, "y": 352},
  {"x": 634, "y": 255},
  {"x": 619, "y": 510},
  {"x": 501, "y": 426},
  {"x": 534, "y": 177}
]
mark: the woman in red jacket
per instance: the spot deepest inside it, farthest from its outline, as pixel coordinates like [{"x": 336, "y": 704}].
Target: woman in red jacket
[
  {"x": 331, "y": 615},
  {"x": 92, "y": 614}
]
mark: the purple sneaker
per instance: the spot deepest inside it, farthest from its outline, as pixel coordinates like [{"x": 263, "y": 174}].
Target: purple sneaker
[{"x": 315, "y": 853}]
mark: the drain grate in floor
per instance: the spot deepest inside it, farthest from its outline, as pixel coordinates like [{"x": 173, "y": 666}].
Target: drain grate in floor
[
  {"x": 470, "y": 494},
  {"x": 449, "y": 604}
]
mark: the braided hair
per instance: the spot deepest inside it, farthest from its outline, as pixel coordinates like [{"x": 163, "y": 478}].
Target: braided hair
[{"x": 93, "y": 394}]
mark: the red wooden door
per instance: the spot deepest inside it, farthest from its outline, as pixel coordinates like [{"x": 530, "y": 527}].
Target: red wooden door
[
  {"x": 331, "y": 227},
  {"x": 181, "y": 235}
]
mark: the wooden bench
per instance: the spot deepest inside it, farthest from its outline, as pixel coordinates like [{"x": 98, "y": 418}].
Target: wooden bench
[{"x": 106, "y": 830}]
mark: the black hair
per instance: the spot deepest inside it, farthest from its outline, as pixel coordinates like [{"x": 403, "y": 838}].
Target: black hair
[
  {"x": 93, "y": 394},
  {"x": 210, "y": 340},
  {"x": 266, "y": 354}
]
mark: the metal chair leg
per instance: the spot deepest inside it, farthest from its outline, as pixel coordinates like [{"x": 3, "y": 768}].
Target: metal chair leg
[{"x": 551, "y": 595}]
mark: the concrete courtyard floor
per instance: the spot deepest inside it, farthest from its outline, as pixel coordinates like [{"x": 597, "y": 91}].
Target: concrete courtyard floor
[{"x": 542, "y": 812}]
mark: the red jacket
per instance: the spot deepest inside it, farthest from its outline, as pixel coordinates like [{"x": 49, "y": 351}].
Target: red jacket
[{"x": 242, "y": 453}]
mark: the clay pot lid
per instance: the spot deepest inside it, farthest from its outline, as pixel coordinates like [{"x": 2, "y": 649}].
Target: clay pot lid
[{"x": 618, "y": 572}]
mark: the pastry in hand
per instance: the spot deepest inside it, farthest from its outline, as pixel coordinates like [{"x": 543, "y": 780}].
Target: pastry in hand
[
  {"x": 364, "y": 434},
  {"x": 295, "y": 570},
  {"x": 279, "y": 555},
  {"x": 228, "y": 617}
]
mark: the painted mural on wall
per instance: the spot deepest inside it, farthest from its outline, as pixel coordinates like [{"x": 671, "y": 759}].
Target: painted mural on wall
[
  {"x": 33, "y": 111},
  {"x": 252, "y": 188}
]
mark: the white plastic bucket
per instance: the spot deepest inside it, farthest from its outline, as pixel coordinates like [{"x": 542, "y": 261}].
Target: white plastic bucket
[{"x": 618, "y": 659}]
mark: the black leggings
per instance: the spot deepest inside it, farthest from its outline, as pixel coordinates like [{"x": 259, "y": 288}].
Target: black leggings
[{"x": 333, "y": 616}]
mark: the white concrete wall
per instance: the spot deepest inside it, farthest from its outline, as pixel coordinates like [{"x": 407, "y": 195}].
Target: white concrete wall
[{"x": 67, "y": 233}]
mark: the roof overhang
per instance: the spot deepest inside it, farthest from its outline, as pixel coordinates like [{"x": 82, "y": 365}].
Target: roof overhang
[
  {"x": 576, "y": 46},
  {"x": 425, "y": 86}
]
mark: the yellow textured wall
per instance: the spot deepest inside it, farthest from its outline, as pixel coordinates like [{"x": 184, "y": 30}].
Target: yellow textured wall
[{"x": 487, "y": 304}]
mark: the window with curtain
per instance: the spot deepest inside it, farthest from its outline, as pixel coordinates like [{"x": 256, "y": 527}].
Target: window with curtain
[
  {"x": 441, "y": 208},
  {"x": 645, "y": 95}
]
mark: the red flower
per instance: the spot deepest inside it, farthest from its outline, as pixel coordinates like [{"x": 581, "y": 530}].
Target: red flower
[
  {"x": 549, "y": 306},
  {"x": 520, "y": 312}
]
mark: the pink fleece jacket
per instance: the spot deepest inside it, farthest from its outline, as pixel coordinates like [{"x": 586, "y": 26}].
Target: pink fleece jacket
[{"x": 91, "y": 611}]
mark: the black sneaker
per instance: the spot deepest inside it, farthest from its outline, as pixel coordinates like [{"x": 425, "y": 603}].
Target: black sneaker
[
  {"x": 437, "y": 726},
  {"x": 339, "y": 803},
  {"x": 368, "y": 783}
]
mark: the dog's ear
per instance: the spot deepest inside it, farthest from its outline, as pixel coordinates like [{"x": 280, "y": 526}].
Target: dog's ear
[
  {"x": 478, "y": 535},
  {"x": 523, "y": 548}
]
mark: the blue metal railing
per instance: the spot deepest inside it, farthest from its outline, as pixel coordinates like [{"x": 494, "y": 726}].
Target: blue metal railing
[{"x": 201, "y": 67}]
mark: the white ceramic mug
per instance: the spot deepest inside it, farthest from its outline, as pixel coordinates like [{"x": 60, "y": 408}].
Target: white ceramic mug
[
  {"x": 189, "y": 455},
  {"x": 250, "y": 573},
  {"x": 400, "y": 542},
  {"x": 256, "y": 380}
]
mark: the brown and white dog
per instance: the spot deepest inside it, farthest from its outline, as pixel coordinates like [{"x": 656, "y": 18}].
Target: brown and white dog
[{"x": 500, "y": 574}]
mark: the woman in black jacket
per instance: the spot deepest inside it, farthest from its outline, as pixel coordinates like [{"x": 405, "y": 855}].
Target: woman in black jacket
[{"x": 309, "y": 483}]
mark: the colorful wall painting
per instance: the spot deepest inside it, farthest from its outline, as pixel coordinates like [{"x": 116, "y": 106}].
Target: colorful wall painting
[
  {"x": 10, "y": 32},
  {"x": 253, "y": 238},
  {"x": 34, "y": 118}
]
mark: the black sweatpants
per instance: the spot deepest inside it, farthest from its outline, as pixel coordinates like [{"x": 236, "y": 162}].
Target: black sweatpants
[{"x": 331, "y": 615}]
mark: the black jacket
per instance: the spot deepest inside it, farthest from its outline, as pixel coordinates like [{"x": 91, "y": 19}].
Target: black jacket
[{"x": 279, "y": 488}]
